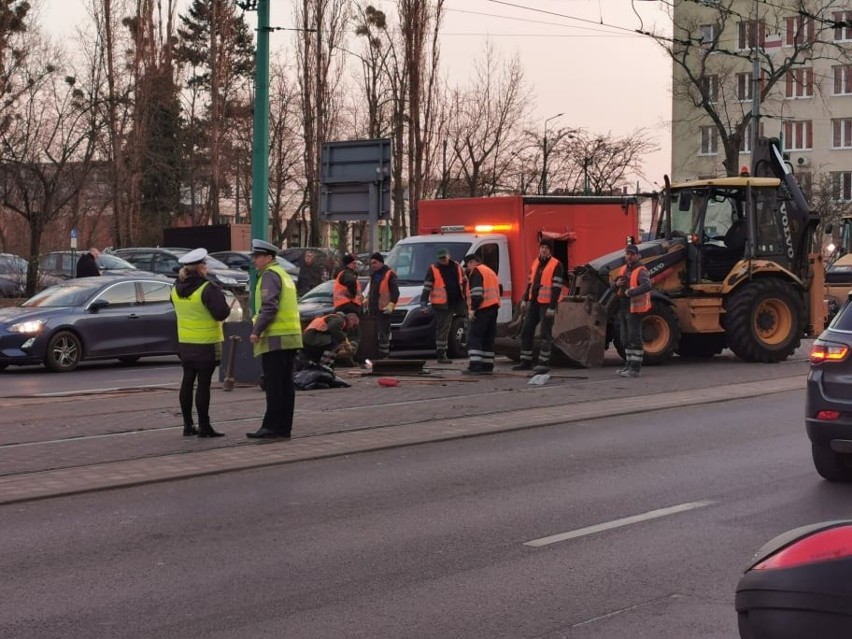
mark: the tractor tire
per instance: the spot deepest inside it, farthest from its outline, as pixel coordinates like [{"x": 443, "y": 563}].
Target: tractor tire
[
  {"x": 701, "y": 345},
  {"x": 765, "y": 320},
  {"x": 660, "y": 335}
]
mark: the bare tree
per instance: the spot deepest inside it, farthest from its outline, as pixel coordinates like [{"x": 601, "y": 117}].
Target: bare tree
[
  {"x": 46, "y": 150},
  {"x": 323, "y": 31},
  {"x": 486, "y": 127},
  {"x": 713, "y": 47}
]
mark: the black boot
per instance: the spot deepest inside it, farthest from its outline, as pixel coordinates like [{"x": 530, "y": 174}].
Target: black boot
[
  {"x": 189, "y": 430},
  {"x": 206, "y": 430}
]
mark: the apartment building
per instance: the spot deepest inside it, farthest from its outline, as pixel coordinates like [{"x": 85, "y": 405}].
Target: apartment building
[{"x": 805, "y": 60}]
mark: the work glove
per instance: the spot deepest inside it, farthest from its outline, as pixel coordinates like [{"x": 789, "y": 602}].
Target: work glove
[
  {"x": 550, "y": 313},
  {"x": 389, "y": 308},
  {"x": 523, "y": 306}
]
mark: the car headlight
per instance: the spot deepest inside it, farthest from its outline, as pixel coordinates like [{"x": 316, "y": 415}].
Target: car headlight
[
  {"x": 27, "y": 328},
  {"x": 230, "y": 281}
]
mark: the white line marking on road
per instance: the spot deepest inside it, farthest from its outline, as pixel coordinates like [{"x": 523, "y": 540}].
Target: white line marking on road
[{"x": 618, "y": 523}]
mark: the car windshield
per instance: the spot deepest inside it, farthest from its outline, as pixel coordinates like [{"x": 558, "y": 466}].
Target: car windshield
[
  {"x": 106, "y": 260},
  {"x": 74, "y": 294},
  {"x": 319, "y": 292},
  {"x": 410, "y": 262},
  {"x": 12, "y": 264},
  {"x": 212, "y": 262}
]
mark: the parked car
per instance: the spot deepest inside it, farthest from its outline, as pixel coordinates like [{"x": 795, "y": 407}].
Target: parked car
[
  {"x": 328, "y": 259},
  {"x": 411, "y": 330},
  {"x": 828, "y": 407},
  {"x": 13, "y": 276},
  {"x": 64, "y": 264},
  {"x": 106, "y": 317},
  {"x": 164, "y": 261},
  {"x": 242, "y": 260}
]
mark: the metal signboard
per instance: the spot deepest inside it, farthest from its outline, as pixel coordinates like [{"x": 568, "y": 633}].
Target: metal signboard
[{"x": 355, "y": 178}]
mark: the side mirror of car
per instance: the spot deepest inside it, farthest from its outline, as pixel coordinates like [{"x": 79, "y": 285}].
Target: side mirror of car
[{"x": 97, "y": 305}]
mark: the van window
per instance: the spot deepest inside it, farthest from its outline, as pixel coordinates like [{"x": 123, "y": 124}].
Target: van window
[
  {"x": 490, "y": 254},
  {"x": 843, "y": 320}
]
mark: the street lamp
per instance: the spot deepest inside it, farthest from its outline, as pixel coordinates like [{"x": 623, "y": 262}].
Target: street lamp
[{"x": 544, "y": 159}]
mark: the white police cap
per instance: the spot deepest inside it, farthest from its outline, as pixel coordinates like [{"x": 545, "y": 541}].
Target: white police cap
[
  {"x": 196, "y": 256},
  {"x": 260, "y": 246}
]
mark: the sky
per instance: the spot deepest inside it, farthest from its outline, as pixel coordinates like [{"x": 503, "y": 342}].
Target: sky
[{"x": 581, "y": 58}]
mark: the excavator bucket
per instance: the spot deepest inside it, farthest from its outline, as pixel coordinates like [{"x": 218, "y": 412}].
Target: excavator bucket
[{"x": 579, "y": 331}]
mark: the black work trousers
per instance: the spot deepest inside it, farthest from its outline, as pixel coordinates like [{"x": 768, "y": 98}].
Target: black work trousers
[
  {"x": 536, "y": 313},
  {"x": 280, "y": 392},
  {"x": 480, "y": 340},
  {"x": 203, "y": 374}
]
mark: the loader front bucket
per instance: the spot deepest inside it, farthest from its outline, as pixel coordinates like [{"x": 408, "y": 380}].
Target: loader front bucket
[{"x": 579, "y": 330}]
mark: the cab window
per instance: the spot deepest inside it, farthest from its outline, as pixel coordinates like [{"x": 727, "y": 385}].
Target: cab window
[{"x": 490, "y": 255}]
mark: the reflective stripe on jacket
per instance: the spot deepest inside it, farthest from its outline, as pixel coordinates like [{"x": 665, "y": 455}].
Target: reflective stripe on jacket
[
  {"x": 638, "y": 303},
  {"x": 285, "y": 330},
  {"x": 439, "y": 288},
  {"x": 195, "y": 324},
  {"x": 545, "y": 290},
  {"x": 341, "y": 295},
  {"x": 489, "y": 292}
]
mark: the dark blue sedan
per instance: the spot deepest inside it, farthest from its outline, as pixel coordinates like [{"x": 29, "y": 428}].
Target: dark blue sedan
[{"x": 107, "y": 317}]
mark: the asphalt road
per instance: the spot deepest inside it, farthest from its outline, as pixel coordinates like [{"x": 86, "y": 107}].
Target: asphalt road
[{"x": 433, "y": 540}]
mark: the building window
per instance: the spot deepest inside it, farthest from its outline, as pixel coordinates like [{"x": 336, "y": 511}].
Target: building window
[
  {"x": 842, "y": 184},
  {"x": 843, "y": 30},
  {"x": 799, "y": 30},
  {"x": 842, "y": 79},
  {"x": 800, "y": 83},
  {"x": 841, "y": 134},
  {"x": 798, "y": 135},
  {"x": 709, "y": 140},
  {"x": 745, "y": 143},
  {"x": 710, "y": 87},
  {"x": 748, "y": 32},
  {"x": 708, "y": 33}
]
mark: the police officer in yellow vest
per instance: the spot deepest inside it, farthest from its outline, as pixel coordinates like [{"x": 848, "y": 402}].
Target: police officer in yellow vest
[
  {"x": 200, "y": 307},
  {"x": 633, "y": 287},
  {"x": 275, "y": 337}
]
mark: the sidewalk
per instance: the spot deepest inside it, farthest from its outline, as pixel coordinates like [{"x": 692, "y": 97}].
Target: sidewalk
[{"x": 141, "y": 443}]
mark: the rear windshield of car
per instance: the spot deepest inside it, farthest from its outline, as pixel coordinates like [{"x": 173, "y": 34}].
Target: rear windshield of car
[
  {"x": 62, "y": 296},
  {"x": 113, "y": 262},
  {"x": 843, "y": 320}
]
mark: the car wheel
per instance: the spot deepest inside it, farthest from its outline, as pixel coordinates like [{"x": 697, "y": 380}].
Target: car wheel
[
  {"x": 129, "y": 359},
  {"x": 830, "y": 465},
  {"x": 64, "y": 352},
  {"x": 457, "y": 342}
]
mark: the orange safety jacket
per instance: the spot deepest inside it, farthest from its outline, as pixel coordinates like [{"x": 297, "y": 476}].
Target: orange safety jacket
[
  {"x": 490, "y": 288},
  {"x": 545, "y": 291},
  {"x": 439, "y": 288},
  {"x": 384, "y": 291},
  {"x": 341, "y": 294},
  {"x": 638, "y": 303},
  {"x": 318, "y": 324}
]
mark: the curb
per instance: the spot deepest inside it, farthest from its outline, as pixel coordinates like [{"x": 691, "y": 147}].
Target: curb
[{"x": 137, "y": 472}]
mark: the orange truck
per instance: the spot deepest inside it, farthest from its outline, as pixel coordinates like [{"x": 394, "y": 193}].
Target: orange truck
[{"x": 505, "y": 232}]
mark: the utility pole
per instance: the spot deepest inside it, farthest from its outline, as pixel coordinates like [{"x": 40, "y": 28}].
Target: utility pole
[
  {"x": 543, "y": 188},
  {"x": 755, "y": 79}
]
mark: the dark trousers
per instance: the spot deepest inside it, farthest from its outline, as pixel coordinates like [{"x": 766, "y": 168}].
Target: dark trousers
[
  {"x": 383, "y": 333},
  {"x": 444, "y": 322},
  {"x": 535, "y": 314},
  {"x": 480, "y": 340},
  {"x": 203, "y": 374},
  {"x": 280, "y": 392},
  {"x": 324, "y": 354},
  {"x": 630, "y": 330}
]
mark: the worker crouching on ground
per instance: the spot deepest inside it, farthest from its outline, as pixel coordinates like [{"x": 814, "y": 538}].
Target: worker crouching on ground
[
  {"x": 384, "y": 295},
  {"x": 633, "y": 287},
  {"x": 539, "y": 303},
  {"x": 446, "y": 289},
  {"x": 325, "y": 337},
  {"x": 484, "y": 303}
]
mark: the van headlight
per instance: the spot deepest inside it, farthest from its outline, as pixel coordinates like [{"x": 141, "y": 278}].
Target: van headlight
[
  {"x": 230, "y": 281},
  {"x": 27, "y": 328}
]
